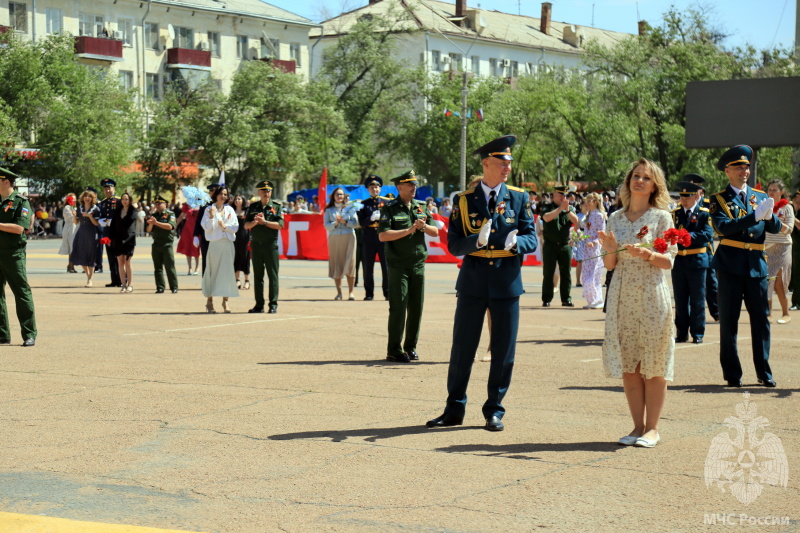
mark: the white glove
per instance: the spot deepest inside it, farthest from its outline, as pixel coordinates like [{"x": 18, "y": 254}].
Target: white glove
[
  {"x": 103, "y": 222},
  {"x": 196, "y": 242},
  {"x": 764, "y": 209},
  {"x": 483, "y": 236},
  {"x": 511, "y": 239},
  {"x": 375, "y": 216}
]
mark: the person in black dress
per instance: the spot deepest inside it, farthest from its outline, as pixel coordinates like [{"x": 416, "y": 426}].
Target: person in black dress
[
  {"x": 123, "y": 239},
  {"x": 241, "y": 259},
  {"x": 85, "y": 244}
]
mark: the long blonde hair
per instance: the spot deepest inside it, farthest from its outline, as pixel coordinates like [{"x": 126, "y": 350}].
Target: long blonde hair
[
  {"x": 598, "y": 201},
  {"x": 659, "y": 198}
]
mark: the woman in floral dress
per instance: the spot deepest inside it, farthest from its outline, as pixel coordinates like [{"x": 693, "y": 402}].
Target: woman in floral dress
[
  {"x": 639, "y": 333},
  {"x": 592, "y": 272}
]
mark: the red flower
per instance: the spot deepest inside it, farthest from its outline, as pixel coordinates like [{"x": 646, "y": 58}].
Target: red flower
[
  {"x": 660, "y": 246},
  {"x": 105, "y": 241},
  {"x": 249, "y": 247},
  {"x": 781, "y": 203},
  {"x": 642, "y": 232}
]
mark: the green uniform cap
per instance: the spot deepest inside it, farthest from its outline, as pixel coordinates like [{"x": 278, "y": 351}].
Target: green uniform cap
[
  {"x": 408, "y": 177},
  {"x": 265, "y": 185}
]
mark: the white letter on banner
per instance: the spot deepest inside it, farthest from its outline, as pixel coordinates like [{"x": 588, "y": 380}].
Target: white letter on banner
[
  {"x": 435, "y": 250},
  {"x": 295, "y": 226}
]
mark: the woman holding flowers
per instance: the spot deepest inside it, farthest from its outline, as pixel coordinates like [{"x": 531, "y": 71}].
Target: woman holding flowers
[
  {"x": 340, "y": 221},
  {"x": 592, "y": 272},
  {"x": 639, "y": 339},
  {"x": 779, "y": 250},
  {"x": 84, "y": 246}
]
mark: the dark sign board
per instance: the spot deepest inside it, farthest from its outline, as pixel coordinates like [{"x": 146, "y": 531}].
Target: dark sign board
[{"x": 760, "y": 112}]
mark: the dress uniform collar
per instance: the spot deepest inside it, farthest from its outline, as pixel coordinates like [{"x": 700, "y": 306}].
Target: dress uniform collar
[{"x": 486, "y": 190}]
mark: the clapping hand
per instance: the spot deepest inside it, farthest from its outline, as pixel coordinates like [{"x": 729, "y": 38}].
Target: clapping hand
[
  {"x": 764, "y": 209},
  {"x": 511, "y": 239},
  {"x": 151, "y": 220},
  {"x": 483, "y": 236},
  {"x": 375, "y": 216}
]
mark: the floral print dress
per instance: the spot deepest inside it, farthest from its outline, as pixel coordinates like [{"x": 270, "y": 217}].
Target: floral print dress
[{"x": 639, "y": 321}]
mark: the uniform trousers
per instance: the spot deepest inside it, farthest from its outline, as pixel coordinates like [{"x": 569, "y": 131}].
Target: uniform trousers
[
  {"x": 372, "y": 246},
  {"x": 164, "y": 259},
  {"x": 406, "y": 296},
  {"x": 265, "y": 258},
  {"x": 711, "y": 289},
  {"x": 467, "y": 328},
  {"x": 732, "y": 290},
  {"x": 13, "y": 271},
  {"x": 555, "y": 253},
  {"x": 689, "y": 286}
]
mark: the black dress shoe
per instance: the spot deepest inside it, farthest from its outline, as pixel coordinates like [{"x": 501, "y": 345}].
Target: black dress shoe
[
  {"x": 159, "y": 291},
  {"x": 413, "y": 355},
  {"x": 697, "y": 340},
  {"x": 256, "y": 309},
  {"x": 273, "y": 309},
  {"x": 174, "y": 291},
  {"x": 32, "y": 342},
  {"x": 113, "y": 284},
  {"x": 735, "y": 383},
  {"x": 5, "y": 341},
  {"x": 545, "y": 304},
  {"x": 444, "y": 421},
  {"x": 767, "y": 383},
  {"x": 494, "y": 424},
  {"x": 98, "y": 270},
  {"x": 682, "y": 339},
  {"x": 368, "y": 298},
  {"x": 567, "y": 304},
  {"x": 402, "y": 358},
  {"x": 715, "y": 317}
]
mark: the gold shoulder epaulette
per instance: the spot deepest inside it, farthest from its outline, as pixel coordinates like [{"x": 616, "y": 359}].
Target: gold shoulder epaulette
[
  {"x": 705, "y": 209},
  {"x": 512, "y": 188},
  {"x": 468, "y": 191}
]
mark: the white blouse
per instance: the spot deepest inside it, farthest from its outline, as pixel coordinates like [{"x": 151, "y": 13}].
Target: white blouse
[{"x": 211, "y": 225}]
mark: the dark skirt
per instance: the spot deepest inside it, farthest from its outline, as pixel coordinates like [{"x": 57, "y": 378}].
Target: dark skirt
[
  {"x": 84, "y": 247},
  {"x": 241, "y": 258}
]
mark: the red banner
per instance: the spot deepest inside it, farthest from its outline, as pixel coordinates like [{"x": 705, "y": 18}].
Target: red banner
[{"x": 305, "y": 237}]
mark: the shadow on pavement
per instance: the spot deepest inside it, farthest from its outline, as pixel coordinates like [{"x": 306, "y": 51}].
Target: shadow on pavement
[
  {"x": 362, "y": 362},
  {"x": 708, "y": 389},
  {"x": 516, "y": 451},
  {"x": 573, "y": 343},
  {"x": 370, "y": 434}
]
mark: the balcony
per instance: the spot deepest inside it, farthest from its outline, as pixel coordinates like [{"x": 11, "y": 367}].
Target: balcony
[
  {"x": 98, "y": 48},
  {"x": 5, "y": 29},
  {"x": 182, "y": 58},
  {"x": 289, "y": 67}
]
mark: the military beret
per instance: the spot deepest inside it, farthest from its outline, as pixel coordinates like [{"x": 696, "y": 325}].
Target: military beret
[
  {"x": 499, "y": 148},
  {"x": 265, "y": 185},
  {"x": 741, "y": 154},
  {"x": 372, "y": 179},
  {"x": 108, "y": 182},
  {"x": 407, "y": 177}
]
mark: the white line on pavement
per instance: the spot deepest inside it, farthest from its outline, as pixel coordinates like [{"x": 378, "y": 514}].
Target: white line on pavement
[{"x": 222, "y": 325}]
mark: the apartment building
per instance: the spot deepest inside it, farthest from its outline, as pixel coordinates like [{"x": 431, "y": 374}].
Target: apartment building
[{"x": 149, "y": 43}]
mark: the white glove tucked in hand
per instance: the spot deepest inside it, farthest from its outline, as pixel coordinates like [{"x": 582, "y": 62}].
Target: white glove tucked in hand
[
  {"x": 764, "y": 209},
  {"x": 483, "y": 236},
  {"x": 511, "y": 239},
  {"x": 375, "y": 216},
  {"x": 196, "y": 242},
  {"x": 103, "y": 222}
]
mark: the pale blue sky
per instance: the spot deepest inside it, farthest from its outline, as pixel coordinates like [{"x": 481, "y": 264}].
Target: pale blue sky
[{"x": 761, "y": 23}]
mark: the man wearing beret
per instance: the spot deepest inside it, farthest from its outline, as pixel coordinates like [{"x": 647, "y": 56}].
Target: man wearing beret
[
  {"x": 557, "y": 218},
  {"x": 691, "y": 264},
  {"x": 368, "y": 217},
  {"x": 107, "y": 208},
  {"x": 741, "y": 215},
  {"x": 161, "y": 225},
  {"x": 403, "y": 224},
  {"x": 492, "y": 227},
  {"x": 711, "y": 274},
  {"x": 15, "y": 218},
  {"x": 264, "y": 220}
]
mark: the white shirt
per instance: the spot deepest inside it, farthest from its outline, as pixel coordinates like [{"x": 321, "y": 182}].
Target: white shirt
[
  {"x": 487, "y": 190},
  {"x": 737, "y": 191},
  {"x": 211, "y": 225}
]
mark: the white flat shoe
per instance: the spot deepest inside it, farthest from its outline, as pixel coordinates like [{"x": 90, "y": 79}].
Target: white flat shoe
[
  {"x": 785, "y": 319},
  {"x": 642, "y": 442},
  {"x": 628, "y": 440}
]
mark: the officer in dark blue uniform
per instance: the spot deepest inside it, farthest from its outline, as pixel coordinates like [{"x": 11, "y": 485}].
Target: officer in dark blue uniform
[
  {"x": 368, "y": 218},
  {"x": 691, "y": 264},
  {"x": 107, "y": 208},
  {"x": 491, "y": 225},
  {"x": 711, "y": 274},
  {"x": 741, "y": 215}
]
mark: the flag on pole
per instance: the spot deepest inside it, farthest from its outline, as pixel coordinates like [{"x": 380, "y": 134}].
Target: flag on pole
[
  {"x": 456, "y": 114},
  {"x": 322, "y": 193},
  {"x": 469, "y": 113},
  {"x": 222, "y": 178},
  {"x": 447, "y": 112},
  {"x": 479, "y": 114}
]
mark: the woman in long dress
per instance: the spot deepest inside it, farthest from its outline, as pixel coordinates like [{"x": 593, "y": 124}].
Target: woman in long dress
[
  {"x": 592, "y": 273},
  {"x": 220, "y": 224},
  {"x": 639, "y": 341},
  {"x": 84, "y": 247},
  {"x": 186, "y": 241},
  {"x": 341, "y": 224},
  {"x": 241, "y": 260},
  {"x": 68, "y": 231},
  {"x": 123, "y": 239},
  {"x": 779, "y": 251}
]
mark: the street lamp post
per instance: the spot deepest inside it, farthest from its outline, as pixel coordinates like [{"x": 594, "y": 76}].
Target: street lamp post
[{"x": 558, "y": 167}]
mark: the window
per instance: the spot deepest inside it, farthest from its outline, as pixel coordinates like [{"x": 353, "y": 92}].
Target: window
[
  {"x": 126, "y": 80},
  {"x": 436, "y": 61},
  {"x": 294, "y": 53},
  {"x": 153, "y": 87},
  {"x": 476, "y": 65},
  {"x": 151, "y": 35},
  {"x": 455, "y": 61},
  {"x": 18, "y": 16},
  {"x": 514, "y": 69},
  {"x": 271, "y": 48},
  {"x": 493, "y": 66},
  {"x": 184, "y": 38},
  {"x": 125, "y": 28},
  {"x": 90, "y": 25},
  {"x": 55, "y": 20},
  {"x": 241, "y": 46},
  {"x": 213, "y": 43}
]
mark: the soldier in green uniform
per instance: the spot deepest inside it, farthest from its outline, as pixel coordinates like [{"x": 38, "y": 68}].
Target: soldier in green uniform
[
  {"x": 15, "y": 218},
  {"x": 403, "y": 225},
  {"x": 162, "y": 226},
  {"x": 556, "y": 221},
  {"x": 264, "y": 220}
]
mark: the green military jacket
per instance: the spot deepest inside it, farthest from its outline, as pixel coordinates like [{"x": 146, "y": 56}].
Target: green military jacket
[
  {"x": 408, "y": 251},
  {"x": 14, "y": 210},
  {"x": 273, "y": 212},
  {"x": 163, "y": 236},
  {"x": 557, "y": 230}
]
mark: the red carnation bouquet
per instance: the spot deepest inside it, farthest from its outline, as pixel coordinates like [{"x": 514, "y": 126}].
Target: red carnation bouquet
[
  {"x": 783, "y": 202},
  {"x": 661, "y": 244},
  {"x": 105, "y": 241}
]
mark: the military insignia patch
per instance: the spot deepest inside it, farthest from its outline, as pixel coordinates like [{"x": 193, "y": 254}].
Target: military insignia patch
[
  {"x": 753, "y": 200},
  {"x": 25, "y": 211},
  {"x": 712, "y": 208}
]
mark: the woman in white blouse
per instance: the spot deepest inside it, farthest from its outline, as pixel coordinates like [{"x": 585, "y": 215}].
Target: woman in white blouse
[
  {"x": 220, "y": 224},
  {"x": 779, "y": 251}
]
